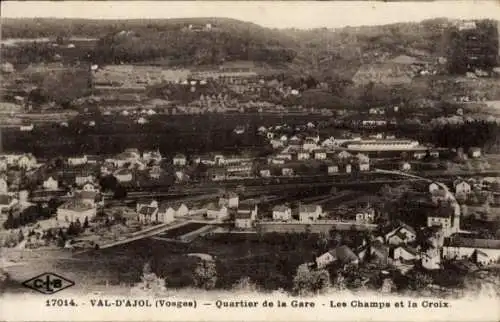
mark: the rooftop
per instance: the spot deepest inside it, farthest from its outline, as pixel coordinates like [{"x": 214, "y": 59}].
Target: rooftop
[{"x": 456, "y": 241}]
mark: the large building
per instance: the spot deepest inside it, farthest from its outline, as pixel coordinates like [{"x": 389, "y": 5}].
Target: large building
[{"x": 382, "y": 145}]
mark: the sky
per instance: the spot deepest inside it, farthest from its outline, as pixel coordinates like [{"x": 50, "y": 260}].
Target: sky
[{"x": 274, "y": 14}]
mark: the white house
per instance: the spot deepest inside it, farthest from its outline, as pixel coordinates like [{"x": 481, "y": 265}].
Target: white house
[
  {"x": 475, "y": 152},
  {"x": 431, "y": 259},
  {"x": 348, "y": 168},
  {"x": 265, "y": 173},
  {"x": 333, "y": 168},
  {"x": 405, "y": 166},
  {"x": 401, "y": 235},
  {"x": 309, "y": 145},
  {"x": 287, "y": 172},
  {"x": 181, "y": 211},
  {"x": 365, "y": 216},
  {"x": 51, "y": 184},
  {"x": 179, "y": 160},
  {"x": 245, "y": 216},
  {"x": 166, "y": 214},
  {"x": 320, "y": 154},
  {"x": 229, "y": 200},
  {"x": 282, "y": 212},
  {"x": 325, "y": 259},
  {"x": 79, "y": 160},
  {"x": 149, "y": 156},
  {"x": 26, "y": 161},
  {"x": 90, "y": 186},
  {"x": 216, "y": 212},
  {"x": 82, "y": 179},
  {"x": 405, "y": 253},
  {"x": 309, "y": 212},
  {"x": 447, "y": 217},
  {"x": 123, "y": 175},
  {"x": 4, "y": 187},
  {"x": 303, "y": 155},
  {"x": 26, "y": 128},
  {"x": 462, "y": 187}
]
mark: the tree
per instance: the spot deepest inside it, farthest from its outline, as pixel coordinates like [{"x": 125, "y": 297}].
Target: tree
[
  {"x": 150, "y": 283},
  {"x": 310, "y": 281},
  {"x": 205, "y": 274},
  {"x": 20, "y": 235},
  {"x": 418, "y": 280},
  {"x": 86, "y": 223}
]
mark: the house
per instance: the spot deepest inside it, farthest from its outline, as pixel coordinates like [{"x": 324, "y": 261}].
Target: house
[
  {"x": 309, "y": 212},
  {"x": 342, "y": 254},
  {"x": 365, "y": 216},
  {"x": 333, "y": 168},
  {"x": 245, "y": 216},
  {"x": 348, "y": 168},
  {"x": 376, "y": 251},
  {"x": 216, "y": 212},
  {"x": 303, "y": 155},
  {"x": 152, "y": 156},
  {"x": 75, "y": 210},
  {"x": 282, "y": 213},
  {"x": 78, "y": 160},
  {"x": 405, "y": 253},
  {"x": 179, "y": 160},
  {"x": 229, "y": 200},
  {"x": 401, "y": 235},
  {"x": 90, "y": 186},
  {"x": 27, "y": 162},
  {"x": 26, "y": 128},
  {"x": 434, "y": 187},
  {"x": 50, "y": 184},
  {"x": 475, "y": 152},
  {"x": 155, "y": 172},
  {"x": 83, "y": 178},
  {"x": 431, "y": 259},
  {"x": 181, "y": 211},
  {"x": 6, "y": 203},
  {"x": 123, "y": 175},
  {"x": 287, "y": 172},
  {"x": 364, "y": 167},
  {"x": 217, "y": 174},
  {"x": 4, "y": 187},
  {"x": 326, "y": 259},
  {"x": 265, "y": 173},
  {"x": 404, "y": 166},
  {"x": 460, "y": 247},
  {"x": 142, "y": 121},
  {"x": 319, "y": 154},
  {"x": 480, "y": 258},
  {"x": 166, "y": 214},
  {"x": 445, "y": 215},
  {"x": 276, "y": 144},
  {"x": 284, "y": 155},
  {"x": 462, "y": 187},
  {"x": 87, "y": 197},
  {"x": 309, "y": 145}
]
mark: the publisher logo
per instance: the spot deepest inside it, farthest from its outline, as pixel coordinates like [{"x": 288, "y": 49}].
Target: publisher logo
[{"x": 48, "y": 283}]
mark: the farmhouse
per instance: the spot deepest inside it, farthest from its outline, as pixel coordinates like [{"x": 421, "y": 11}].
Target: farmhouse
[
  {"x": 282, "y": 212},
  {"x": 309, "y": 212}
]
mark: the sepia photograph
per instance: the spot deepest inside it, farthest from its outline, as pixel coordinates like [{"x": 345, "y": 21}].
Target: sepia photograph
[{"x": 241, "y": 160}]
